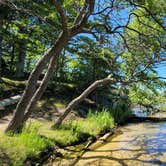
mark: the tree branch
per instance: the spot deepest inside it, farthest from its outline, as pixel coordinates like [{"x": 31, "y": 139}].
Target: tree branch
[
  {"x": 89, "y": 6},
  {"x": 62, "y": 14}
]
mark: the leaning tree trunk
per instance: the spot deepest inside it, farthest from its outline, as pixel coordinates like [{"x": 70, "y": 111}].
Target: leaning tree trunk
[
  {"x": 41, "y": 88},
  {"x": 80, "y": 98},
  {"x": 17, "y": 121}
]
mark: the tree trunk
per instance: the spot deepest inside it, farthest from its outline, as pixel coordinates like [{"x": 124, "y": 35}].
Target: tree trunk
[
  {"x": 1, "y": 38},
  {"x": 0, "y": 69},
  {"x": 41, "y": 88},
  {"x": 12, "y": 58},
  {"x": 28, "y": 100},
  {"x": 21, "y": 58},
  {"x": 17, "y": 121},
  {"x": 80, "y": 98}
]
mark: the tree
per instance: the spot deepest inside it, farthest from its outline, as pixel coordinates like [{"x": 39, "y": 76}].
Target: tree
[
  {"x": 138, "y": 61},
  {"x": 98, "y": 20},
  {"x": 31, "y": 94}
]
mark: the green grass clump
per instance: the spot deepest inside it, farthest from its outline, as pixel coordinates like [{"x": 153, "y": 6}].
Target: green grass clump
[
  {"x": 29, "y": 143},
  {"x": 78, "y": 130},
  {"x": 95, "y": 123},
  {"x": 20, "y": 146}
]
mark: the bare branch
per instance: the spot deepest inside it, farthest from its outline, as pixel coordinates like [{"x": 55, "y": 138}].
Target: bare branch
[
  {"x": 80, "y": 14},
  {"x": 62, "y": 14},
  {"x": 89, "y": 4},
  {"x": 90, "y": 32}
]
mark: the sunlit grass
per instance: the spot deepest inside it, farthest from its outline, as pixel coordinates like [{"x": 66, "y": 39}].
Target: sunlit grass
[
  {"x": 95, "y": 123},
  {"x": 72, "y": 131},
  {"x": 20, "y": 146},
  {"x": 62, "y": 136},
  {"x": 59, "y": 104},
  {"x": 38, "y": 135}
]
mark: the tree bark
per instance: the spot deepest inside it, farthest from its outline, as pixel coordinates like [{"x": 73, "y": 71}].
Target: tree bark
[
  {"x": 41, "y": 88},
  {"x": 12, "y": 58},
  {"x": 21, "y": 58},
  {"x": 80, "y": 98},
  {"x": 18, "y": 119}
]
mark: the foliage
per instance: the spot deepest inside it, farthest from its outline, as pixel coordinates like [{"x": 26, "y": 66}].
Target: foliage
[
  {"x": 121, "y": 113},
  {"x": 141, "y": 94}
]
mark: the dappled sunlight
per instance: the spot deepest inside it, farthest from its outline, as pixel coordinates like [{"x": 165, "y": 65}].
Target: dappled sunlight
[{"x": 141, "y": 144}]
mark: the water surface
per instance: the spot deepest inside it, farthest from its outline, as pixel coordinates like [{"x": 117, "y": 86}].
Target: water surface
[{"x": 142, "y": 144}]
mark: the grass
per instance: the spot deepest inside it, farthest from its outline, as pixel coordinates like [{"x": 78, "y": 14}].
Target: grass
[
  {"x": 18, "y": 147},
  {"x": 30, "y": 143},
  {"x": 59, "y": 104},
  {"x": 121, "y": 112},
  {"x": 62, "y": 136},
  {"x": 95, "y": 123},
  {"x": 75, "y": 131}
]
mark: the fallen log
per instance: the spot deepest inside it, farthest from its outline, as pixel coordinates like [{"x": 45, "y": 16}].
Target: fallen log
[{"x": 10, "y": 101}]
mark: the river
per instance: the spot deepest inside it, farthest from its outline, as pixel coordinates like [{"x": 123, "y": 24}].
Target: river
[{"x": 138, "y": 144}]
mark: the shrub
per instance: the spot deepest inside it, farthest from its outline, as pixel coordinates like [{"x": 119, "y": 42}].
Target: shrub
[{"x": 121, "y": 112}]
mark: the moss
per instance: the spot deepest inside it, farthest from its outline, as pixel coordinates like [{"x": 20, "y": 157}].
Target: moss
[{"x": 14, "y": 83}]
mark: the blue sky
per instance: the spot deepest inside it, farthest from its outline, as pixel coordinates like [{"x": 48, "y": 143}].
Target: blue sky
[{"x": 161, "y": 69}]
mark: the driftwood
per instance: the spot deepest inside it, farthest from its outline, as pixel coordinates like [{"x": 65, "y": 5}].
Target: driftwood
[
  {"x": 10, "y": 101},
  {"x": 106, "y": 136}
]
